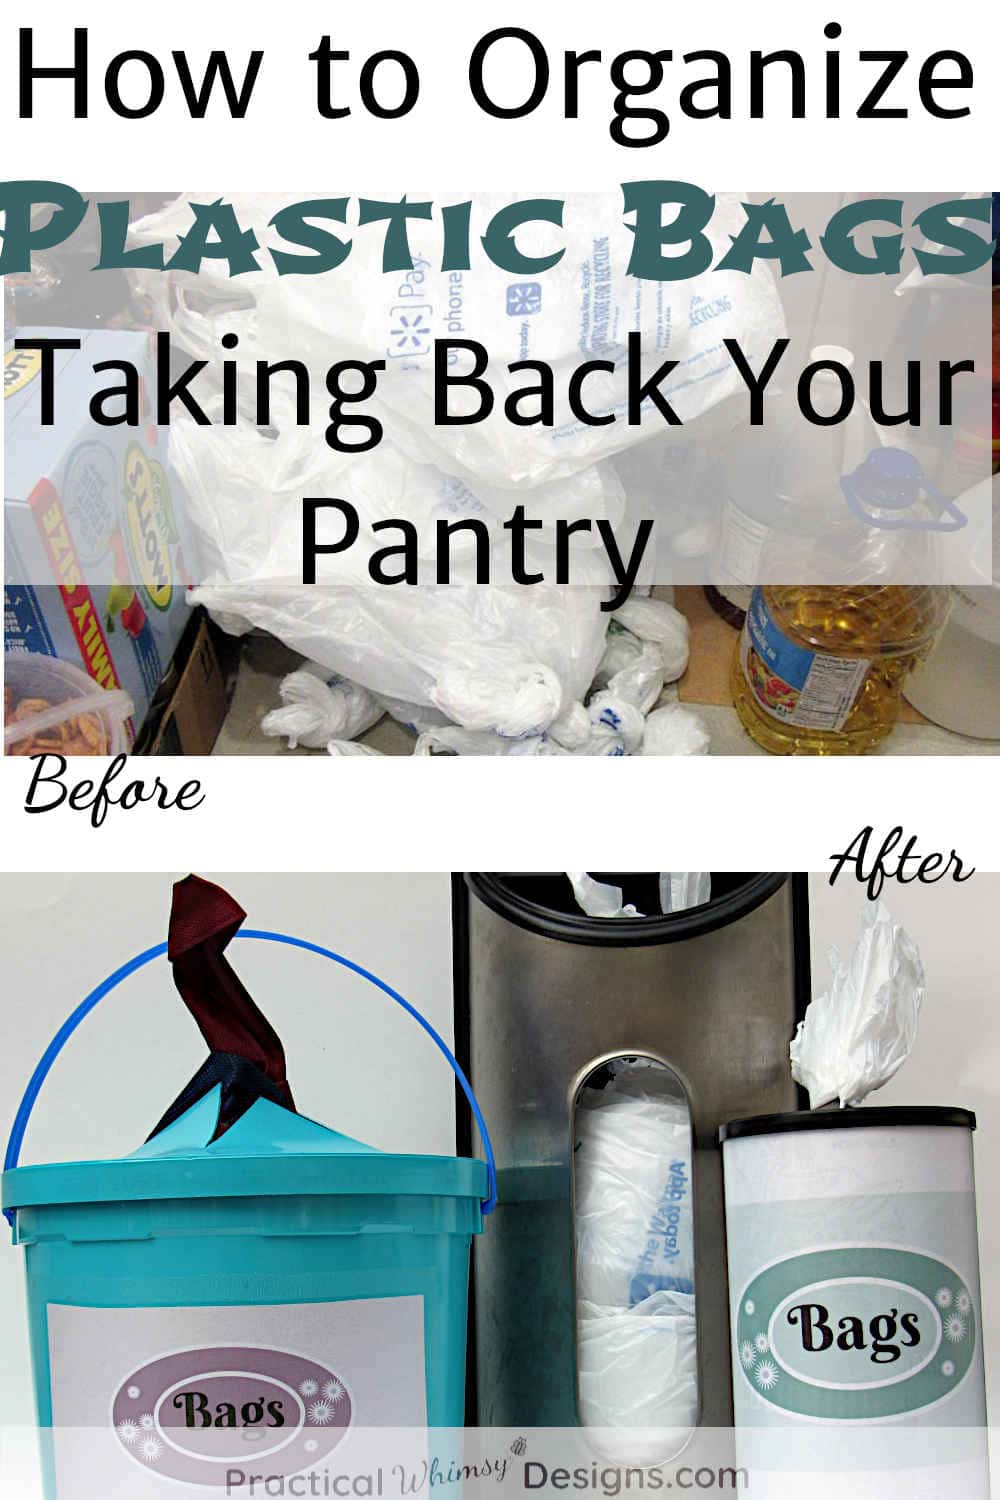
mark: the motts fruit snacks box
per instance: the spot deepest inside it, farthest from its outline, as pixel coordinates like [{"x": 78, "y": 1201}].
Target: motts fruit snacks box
[{"x": 94, "y": 567}]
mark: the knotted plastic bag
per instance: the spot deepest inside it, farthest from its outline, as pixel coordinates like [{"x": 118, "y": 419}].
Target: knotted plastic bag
[{"x": 246, "y": 1056}]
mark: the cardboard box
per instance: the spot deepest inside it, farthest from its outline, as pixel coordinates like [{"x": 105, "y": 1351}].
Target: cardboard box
[
  {"x": 94, "y": 569},
  {"x": 189, "y": 710}
]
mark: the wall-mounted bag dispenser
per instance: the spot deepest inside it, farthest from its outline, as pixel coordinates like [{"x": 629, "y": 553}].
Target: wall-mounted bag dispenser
[{"x": 607, "y": 1052}]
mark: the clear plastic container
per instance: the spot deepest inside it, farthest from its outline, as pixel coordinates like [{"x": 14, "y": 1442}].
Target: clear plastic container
[{"x": 51, "y": 705}]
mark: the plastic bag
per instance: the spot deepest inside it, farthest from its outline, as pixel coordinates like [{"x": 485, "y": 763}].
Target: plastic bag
[
  {"x": 680, "y": 892},
  {"x": 571, "y": 730},
  {"x": 632, "y": 1176},
  {"x": 610, "y": 712},
  {"x": 315, "y": 711},
  {"x": 586, "y": 305},
  {"x": 350, "y": 747},
  {"x": 484, "y": 642},
  {"x": 598, "y": 898},
  {"x": 636, "y": 1325},
  {"x": 641, "y": 681},
  {"x": 675, "y": 730},
  {"x": 857, "y": 1035},
  {"x": 621, "y": 649},
  {"x": 638, "y": 1371},
  {"x": 531, "y": 692},
  {"x": 653, "y": 620},
  {"x": 244, "y": 490},
  {"x": 449, "y": 739},
  {"x": 489, "y": 657}
]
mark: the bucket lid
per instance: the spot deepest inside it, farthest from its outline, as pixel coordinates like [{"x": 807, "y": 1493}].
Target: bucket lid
[
  {"x": 846, "y": 1119},
  {"x": 269, "y": 1152}
]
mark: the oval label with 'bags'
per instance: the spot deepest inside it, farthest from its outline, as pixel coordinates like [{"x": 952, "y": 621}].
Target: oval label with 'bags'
[
  {"x": 856, "y": 1333},
  {"x": 197, "y": 1415}
]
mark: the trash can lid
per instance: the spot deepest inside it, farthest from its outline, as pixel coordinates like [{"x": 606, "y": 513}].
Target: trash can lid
[
  {"x": 268, "y": 1152},
  {"x": 846, "y": 1119}
]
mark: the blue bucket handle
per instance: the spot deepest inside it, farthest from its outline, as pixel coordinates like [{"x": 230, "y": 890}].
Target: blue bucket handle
[{"x": 140, "y": 960}]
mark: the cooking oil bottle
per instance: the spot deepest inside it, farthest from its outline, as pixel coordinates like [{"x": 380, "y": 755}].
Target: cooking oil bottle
[{"x": 819, "y": 668}]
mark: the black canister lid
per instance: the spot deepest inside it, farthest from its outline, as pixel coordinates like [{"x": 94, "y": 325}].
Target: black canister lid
[
  {"x": 846, "y": 1119},
  {"x": 545, "y": 904}
]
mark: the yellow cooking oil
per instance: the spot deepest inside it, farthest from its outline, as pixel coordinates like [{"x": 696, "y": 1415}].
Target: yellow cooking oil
[{"x": 819, "y": 669}]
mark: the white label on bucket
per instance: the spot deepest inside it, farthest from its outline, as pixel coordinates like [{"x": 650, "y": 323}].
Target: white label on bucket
[{"x": 198, "y": 1395}]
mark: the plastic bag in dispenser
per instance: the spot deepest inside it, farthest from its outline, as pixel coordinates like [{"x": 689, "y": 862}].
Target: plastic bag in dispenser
[
  {"x": 678, "y": 892},
  {"x": 599, "y": 898},
  {"x": 857, "y": 1035},
  {"x": 636, "y": 1330},
  {"x": 681, "y": 891},
  {"x": 638, "y": 1371}
]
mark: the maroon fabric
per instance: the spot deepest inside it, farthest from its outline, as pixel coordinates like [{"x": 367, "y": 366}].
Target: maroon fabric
[{"x": 203, "y": 921}]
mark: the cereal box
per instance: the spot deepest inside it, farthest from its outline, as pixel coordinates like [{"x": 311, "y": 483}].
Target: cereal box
[{"x": 94, "y": 569}]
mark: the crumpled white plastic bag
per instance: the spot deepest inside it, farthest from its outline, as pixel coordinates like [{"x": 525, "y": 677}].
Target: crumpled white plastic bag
[
  {"x": 682, "y": 891},
  {"x": 608, "y": 712},
  {"x": 598, "y": 898},
  {"x": 531, "y": 693},
  {"x": 857, "y": 1034},
  {"x": 518, "y": 708},
  {"x": 350, "y": 747},
  {"x": 315, "y": 711},
  {"x": 655, "y": 620},
  {"x": 485, "y": 643},
  {"x": 490, "y": 657},
  {"x": 640, "y": 681},
  {"x": 586, "y": 305},
  {"x": 572, "y": 728},
  {"x": 675, "y": 730},
  {"x": 678, "y": 892}
]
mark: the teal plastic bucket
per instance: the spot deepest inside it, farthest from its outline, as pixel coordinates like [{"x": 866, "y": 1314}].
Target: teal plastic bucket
[{"x": 209, "y": 1304}]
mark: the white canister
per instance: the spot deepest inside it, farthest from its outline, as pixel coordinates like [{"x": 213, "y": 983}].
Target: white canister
[
  {"x": 855, "y": 1305},
  {"x": 958, "y": 686}
]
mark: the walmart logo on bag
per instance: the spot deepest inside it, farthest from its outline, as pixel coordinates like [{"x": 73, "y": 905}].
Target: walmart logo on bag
[
  {"x": 856, "y": 1334},
  {"x": 524, "y": 299}
]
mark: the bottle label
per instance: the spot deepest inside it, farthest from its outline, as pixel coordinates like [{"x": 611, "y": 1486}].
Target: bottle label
[
  {"x": 810, "y": 689},
  {"x": 740, "y": 548}
]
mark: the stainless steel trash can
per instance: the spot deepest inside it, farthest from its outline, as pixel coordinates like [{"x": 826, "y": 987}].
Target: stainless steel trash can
[{"x": 546, "y": 997}]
